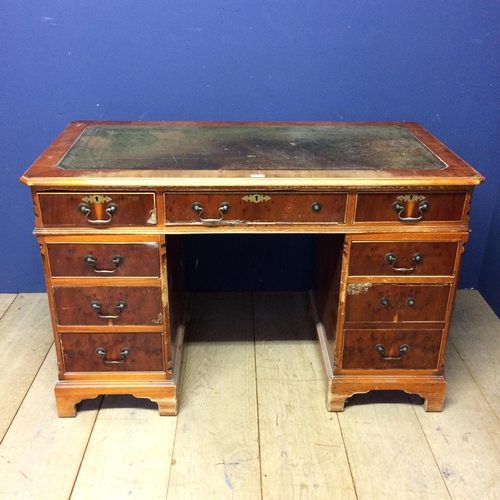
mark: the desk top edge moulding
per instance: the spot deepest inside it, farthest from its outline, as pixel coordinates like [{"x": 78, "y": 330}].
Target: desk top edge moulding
[
  {"x": 180, "y": 153},
  {"x": 387, "y": 204}
]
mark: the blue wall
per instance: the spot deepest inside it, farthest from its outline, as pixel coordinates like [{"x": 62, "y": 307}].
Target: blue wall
[
  {"x": 435, "y": 62},
  {"x": 489, "y": 283}
]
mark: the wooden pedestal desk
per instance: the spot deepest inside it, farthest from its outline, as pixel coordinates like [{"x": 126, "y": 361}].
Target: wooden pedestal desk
[{"x": 387, "y": 202}]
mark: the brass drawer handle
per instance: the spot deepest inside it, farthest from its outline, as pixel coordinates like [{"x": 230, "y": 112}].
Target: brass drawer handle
[
  {"x": 391, "y": 259},
  {"x": 399, "y": 208},
  {"x": 402, "y": 350},
  {"x": 224, "y": 208},
  {"x": 111, "y": 210},
  {"x": 92, "y": 261},
  {"x": 101, "y": 352},
  {"x": 96, "y": 306}
]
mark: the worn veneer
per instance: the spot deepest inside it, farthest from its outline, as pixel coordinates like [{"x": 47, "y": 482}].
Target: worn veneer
[{"x": 388, "y": 204}]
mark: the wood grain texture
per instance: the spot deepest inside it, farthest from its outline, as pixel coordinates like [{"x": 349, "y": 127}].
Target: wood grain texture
[
  {"x": 41, "y": 453},
  {"x": 44, "y": 172},
  {"x": 22, "y": 356},
  {"x": 401, "y": 349},
  {"x": 299, "y": 460},
  {"x": 475, "y": 332},
  {"x": 301, "y": 445},
  {"x": 6, "y": 300},
  {"x": 443, "y": 206},
  {"x": 135, "y": 260},
  {"x": 142, "y": 305},
  {"x": 437, "y": 258},
  {"x": 286, "y": 343},
  {"x": 129, "y": 453},
  {"x": 465, "y": 438},
  {"x": 394, "y": 449},
  {"x": 216, "y": 451},
  {"x": 69, "y": 393},
  {"x": 61, "y": 209},
  {"x": 388, "y": 452},
  {"x": 145, "y": 352},
  {"x": 275, "y": 207},
  {"x": 383, "y": 302},
  {"x": 127, "y": 165}
]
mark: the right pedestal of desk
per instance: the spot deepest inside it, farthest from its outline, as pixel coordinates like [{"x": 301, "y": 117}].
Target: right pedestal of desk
[{"x": 383, "y": 301}]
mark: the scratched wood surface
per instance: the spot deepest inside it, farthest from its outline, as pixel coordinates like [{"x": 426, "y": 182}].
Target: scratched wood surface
[
  {"x": 126, "y": 453},
  {"x": 301, "y": 445},
  {"x": 389, "y": 454},
  {"x": 41, "y": 453},
  {"x": 216, "y": 452},
  {"x": 25, "y": 339},
  {"x": 253, "y": 422},
  {"x": 6, "y": 300}
]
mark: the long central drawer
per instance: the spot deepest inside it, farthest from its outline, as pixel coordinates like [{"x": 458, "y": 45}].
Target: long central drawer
[{"x": 250, "y": 207}]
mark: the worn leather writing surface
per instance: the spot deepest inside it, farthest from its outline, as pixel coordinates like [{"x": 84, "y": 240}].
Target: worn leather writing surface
[{"x": 308, "y": 147}]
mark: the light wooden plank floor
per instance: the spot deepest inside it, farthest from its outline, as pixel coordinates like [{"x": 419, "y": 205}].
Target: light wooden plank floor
[{"x": 252, "y": 423}]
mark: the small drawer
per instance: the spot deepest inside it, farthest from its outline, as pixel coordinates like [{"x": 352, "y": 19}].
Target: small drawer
[
  {"x": 108, "y": 305},
  {"x": 103, "y": 260},
  {"x": 105, "y": 352},
  {"x": 380, "y": 302},
  {"x": 97, "y": 210},
  {"x": 255, "y": 207},
  {"x": 391, "y": 349},
  {"x": 402, "y": 258},
  {"x": 410, "y": 208}
]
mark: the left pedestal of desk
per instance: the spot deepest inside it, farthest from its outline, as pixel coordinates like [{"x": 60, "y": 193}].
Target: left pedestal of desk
[{"x": 116, "y": 296}]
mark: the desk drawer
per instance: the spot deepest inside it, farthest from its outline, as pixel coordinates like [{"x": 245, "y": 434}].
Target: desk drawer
[
  {"x": 380, "y": 302},
  {"x": 103, "y": 259},
  {"x": 104, "y": 352},
  {"x": 391, "y": 349},
  {"x": 411, "y": 207},
  {"x": 108, "y": 305},
  {"x": 402, "y": 258},
  {"x": 97, "y": 210},
  {"x": 255, "y": 207}
]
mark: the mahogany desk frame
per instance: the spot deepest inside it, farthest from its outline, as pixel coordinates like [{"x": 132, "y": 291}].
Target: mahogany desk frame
[{"x": 386, "y": 274}]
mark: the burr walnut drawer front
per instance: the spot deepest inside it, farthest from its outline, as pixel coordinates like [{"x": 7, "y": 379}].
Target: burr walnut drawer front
[
  {"x": 108, "y": 305},
  {"x": 104, "y": 352},
  {"x": 411, "y": 208},
  {"x": 403, "y": 258},
  {"x": 381, "y": 302},
  {"x": 391, "y": 349},
  {"x": 255, "y": 207},
  {"x": 100, "y": 210},
  {"x": 103, "y": 259}
]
